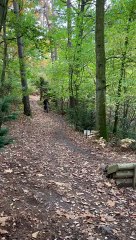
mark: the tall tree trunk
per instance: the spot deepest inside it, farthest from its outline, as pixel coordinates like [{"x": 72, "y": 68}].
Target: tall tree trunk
[
  {"x": 3, "y": 73},
  {"x": 48, "y": 13},
  {"x": 78, "y": 49},
  {"x": 69, "y": 45},
  {"x": 119, "y": 94},
  {"x": 26, "y": 102},
  {"x": 3, "y": 12},
  {"x": 41, "y": 88},
  {"x": 75, "y": 67},
  {"x": 122, "y": 75},
  {"x": 125, "y": 121},
  {"x": 100, "y": 70}
]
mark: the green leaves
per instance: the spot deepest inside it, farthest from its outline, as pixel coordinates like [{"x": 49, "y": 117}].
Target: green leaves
[{"x": 5, "y": 115}]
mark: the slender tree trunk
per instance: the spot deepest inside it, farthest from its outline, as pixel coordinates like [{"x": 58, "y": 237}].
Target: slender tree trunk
[
  {"x": 3, "y": 73},
  {"x": 26, "y": 102},
  {"x": 100, "y": 70},
  {"x": 118, "y": 96},
  {"x": 125, "y": 121},
  {"x": 125, "y": 111},
  {"x": 3, "y": 12},
  {"x": 69, "y": 45},
  {"x": 78, "y": 50},
  {"x": 75, "y": 67},
  {"x": 122, "y": 70},
  {"x": 48, "y": 13},
  {"x": 122, "y": 74},
  {"x": 62, "y": 106},
  {"x": 41, "y": 88}
]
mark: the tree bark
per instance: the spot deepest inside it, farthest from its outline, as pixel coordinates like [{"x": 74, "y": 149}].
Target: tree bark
[
  {"x": 3, "y": 73},
  {"x": 75, "y": 64},
  {"x": 100, "y": 70},
  {"x": 49, "y": 12},
  {"x": 25, "y": 100},
  {"x": 118, "y": 96},
  {"x": 122, "y": 76},
  {"x": 69, "y": 45},
  {"x": 41, "y": 88},
  {"x": 3, "y": 12}
]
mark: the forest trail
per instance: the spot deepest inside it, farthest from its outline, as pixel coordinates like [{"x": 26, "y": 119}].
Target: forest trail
[{"x": 53, "y": 187}]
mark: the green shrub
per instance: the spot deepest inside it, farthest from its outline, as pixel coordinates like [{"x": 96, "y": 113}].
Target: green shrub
[
  {"x": 4, "y": 139},
  {"x": 5, "y": 115},
  {"x": 82, "y": 117}
]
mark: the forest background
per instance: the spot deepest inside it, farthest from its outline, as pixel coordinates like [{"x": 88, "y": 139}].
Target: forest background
[{"x": 52, "y": 47}]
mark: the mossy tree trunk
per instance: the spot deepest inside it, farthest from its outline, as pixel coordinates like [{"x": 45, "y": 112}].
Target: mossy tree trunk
[
  {"x": 3, "y": 72},
  {"x": 75, "y": 59},
  {"x": 3, "y": 12},
  {"x": 69, "y": 47},
  {"x": 122, "y": 74},
  {"x": 26, "y": 102},
  {"x": 100, "y": 70}
]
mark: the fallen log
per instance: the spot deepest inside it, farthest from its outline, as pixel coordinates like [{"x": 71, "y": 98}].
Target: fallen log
[
  {"x": 134, "y": 178},
  {"x": 124, "y": 174},
  {"x": 124, "y": 182},
  {"x": 120, "y": 166}
]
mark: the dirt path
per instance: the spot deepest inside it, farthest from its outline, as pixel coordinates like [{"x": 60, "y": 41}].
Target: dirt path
[{"x": 53, "y": 188}]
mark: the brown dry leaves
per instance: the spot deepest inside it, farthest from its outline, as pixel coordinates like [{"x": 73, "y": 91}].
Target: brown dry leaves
[
  {"x": 3, "y": 220},
  {"x": 53, "y": 186}
]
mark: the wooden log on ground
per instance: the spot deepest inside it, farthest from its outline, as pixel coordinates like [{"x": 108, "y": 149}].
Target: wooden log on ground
[
  {"x": 124, "y": 182},
  {"x": 123, "y": 174},
  {"x": 134, "y": 178},
  {"x": 120, "y": 166}
]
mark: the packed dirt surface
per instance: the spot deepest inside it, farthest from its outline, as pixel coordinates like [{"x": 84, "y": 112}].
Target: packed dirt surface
[{"x": 52, "y": 185}]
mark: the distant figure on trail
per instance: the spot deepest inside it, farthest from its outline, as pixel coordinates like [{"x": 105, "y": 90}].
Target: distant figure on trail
[{"x": 46, "y": 105}]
